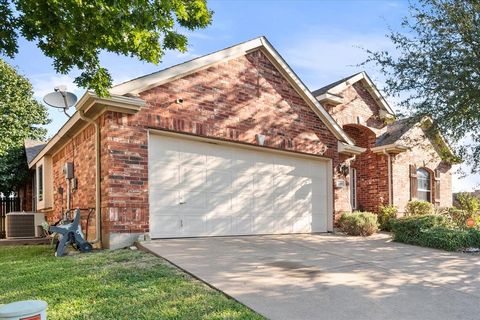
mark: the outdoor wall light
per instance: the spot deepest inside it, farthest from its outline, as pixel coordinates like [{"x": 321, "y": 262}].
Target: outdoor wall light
[{"x": 260, "y": 139}]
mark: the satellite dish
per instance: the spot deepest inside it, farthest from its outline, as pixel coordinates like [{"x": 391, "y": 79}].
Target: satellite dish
[{"x": 60, "y": 99}]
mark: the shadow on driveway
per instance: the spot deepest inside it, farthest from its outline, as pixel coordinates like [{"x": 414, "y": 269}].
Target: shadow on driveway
[{"x": 331, "y": 276}]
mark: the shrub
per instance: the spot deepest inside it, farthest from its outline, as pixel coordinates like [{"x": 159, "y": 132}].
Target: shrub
[
  {"x": 458, "y": 216},
  {"x": 468, "y": 202},
  {"x": 407, "y": 229},
  {"x": 434, "y": 231},
  {"x": 386, "y": 215},
  {"x": 359, "y": 223},
  {"x": 419, "y": 207},
  {"x": 448, "y": 239}
]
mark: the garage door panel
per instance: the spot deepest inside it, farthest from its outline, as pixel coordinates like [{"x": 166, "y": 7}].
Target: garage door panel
[
  {"x": 219, "y": 181},
  {"x": 168, "y": 175},
  {"x": 200, "y": 189},
  {"x": 242, "y": 202},
  {"x": 165, "y": 226},
  {"x": 192, "y": 225},
  {"x": 194, "y": 201},
  {"x": 193, "y": 177},
  {"x": 219, "y": 225},
  {"x": 302, "y": 224},
  {"x": 165, "y": 200},
  {"x": 243, "y": 181},
  {"x": 220, "y": 203},
  {"x": 243, "y": 224}
]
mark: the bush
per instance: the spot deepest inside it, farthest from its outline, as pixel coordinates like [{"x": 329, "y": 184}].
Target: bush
[
  {"x": 386, "y": 215},
  {"x": 459, "y": 217},
  {"x": 359, "y": 223},
  {"x": 407, "y": 229},
  {"x": 419, "y": 207},
  {"x": 448, "y": 239}
]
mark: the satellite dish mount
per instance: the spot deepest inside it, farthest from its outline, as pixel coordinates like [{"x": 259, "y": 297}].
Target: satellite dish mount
[{"x": 61, "y": 99}]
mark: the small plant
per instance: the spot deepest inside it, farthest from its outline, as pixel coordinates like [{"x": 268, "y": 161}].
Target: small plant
[
  {"x": 418, "y": 208},
  {"x": 359, "y": 223},
  {"x": 386, "y": 215}
]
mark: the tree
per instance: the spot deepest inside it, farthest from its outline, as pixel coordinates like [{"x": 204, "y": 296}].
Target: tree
[
  {"x": 20, "y": 117},
  {"x": 74, "y": 33},
  {"x": 435, "y": 70}
]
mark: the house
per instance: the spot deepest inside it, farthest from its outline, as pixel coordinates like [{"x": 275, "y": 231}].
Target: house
[{"x": 233, "y": 143}]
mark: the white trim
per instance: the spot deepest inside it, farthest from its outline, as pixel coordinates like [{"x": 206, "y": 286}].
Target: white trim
[
  {"x": 330, "y": 98},
  {"x": 237, "y": 144},
  {"x": 86, "y": 104},
  {"x": 349, "y": 149},
  {"x": 394, "y": 147},
  {"x": 136, "y": 86},
  {"x": 353, "y": 193}
]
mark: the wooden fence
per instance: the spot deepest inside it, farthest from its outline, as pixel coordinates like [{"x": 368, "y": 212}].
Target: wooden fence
[{"x": 7, "y": 205}]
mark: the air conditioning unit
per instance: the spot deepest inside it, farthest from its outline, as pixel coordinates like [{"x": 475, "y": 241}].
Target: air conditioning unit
[{"x": 24, "y": 224}]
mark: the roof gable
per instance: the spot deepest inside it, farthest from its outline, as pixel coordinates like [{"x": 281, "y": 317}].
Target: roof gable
[
  {"x": 397, "y": 131},
  {"x": 33, "y": 148},
  {"x": 338, "y": 86},
  {"x": 135, "y": 86}
]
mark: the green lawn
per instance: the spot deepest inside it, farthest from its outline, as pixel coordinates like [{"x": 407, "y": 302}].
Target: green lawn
[{"x": 122, "y": 284}]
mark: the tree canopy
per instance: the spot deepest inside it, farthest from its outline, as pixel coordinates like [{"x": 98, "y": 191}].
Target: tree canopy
[
  {"x": 435, "y": 69},
  {"x": 73, "y": 33},
  {"x": 21, "y": 117}
]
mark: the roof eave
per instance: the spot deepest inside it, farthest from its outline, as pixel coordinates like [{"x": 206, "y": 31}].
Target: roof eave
[
  {"x": 394, "y": 148},
  {"x": 350, "y": 149},
  {"x": 86, "y": 104}
]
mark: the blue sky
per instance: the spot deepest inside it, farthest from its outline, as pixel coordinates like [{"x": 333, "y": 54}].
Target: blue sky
[{"x": 321, "y": 40}]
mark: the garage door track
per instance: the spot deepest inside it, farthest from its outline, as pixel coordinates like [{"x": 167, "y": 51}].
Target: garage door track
[{"x": 331, "y": 276}]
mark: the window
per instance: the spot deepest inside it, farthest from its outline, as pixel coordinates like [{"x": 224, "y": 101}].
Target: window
[
  {"x": 424, "y": 186},
  {"x": 353, "y": 187},
  {"x": 40, "y": 182}
]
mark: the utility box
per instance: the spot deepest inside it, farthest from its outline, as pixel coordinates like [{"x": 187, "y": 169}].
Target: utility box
[{"x": 68, "y": 170}]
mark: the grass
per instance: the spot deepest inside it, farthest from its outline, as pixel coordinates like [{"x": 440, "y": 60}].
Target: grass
[{"x": 122, "y": 284}]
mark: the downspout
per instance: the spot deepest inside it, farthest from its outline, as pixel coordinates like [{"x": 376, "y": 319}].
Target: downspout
[
  {"x": 389, "y": 172},
  {"x": 98, "y": 193}
]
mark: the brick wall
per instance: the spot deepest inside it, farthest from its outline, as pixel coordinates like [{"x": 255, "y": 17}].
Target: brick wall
[
  {"x": 80, "y": 150},
  {"x": 232, "y": 100},
  {"x": 422, "y": 154},
  {"x": 372, "y": 170},
  {"x": 357, "y": 102}
]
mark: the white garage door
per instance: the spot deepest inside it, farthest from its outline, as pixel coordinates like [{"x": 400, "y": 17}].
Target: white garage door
[{"x": 204, "y": 189}]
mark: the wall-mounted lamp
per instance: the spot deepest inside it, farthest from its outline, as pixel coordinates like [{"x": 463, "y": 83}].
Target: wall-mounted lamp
[
  {"x": 260, "y": 139},
  {"x": 343, "y": 169}
]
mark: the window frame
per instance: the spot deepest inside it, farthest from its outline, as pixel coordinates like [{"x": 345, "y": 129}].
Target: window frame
[
  {"x": 40, "y": 183},
  {"x": 421, "y": 178},
  {"x": 353, "y": 188}
]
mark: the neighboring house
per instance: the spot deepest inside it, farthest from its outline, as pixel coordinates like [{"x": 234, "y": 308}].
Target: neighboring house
[{"x": 233, "y": 143}]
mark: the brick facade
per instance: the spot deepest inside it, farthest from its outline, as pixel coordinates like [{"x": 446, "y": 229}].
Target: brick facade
[
  {"x": 359, "y": 115},
  {"x": 423, "y": 155},
  {"x": 232, "y": 100}
]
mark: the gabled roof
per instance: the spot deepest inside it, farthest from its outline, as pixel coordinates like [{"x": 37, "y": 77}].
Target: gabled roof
[
  {"x": 399, "y": 128},
  {"x": 138, "y": 85},
  {"x": 32, "y": 148},
  {"x": 336, "y": 87},
  {"x": 395, "y": 131},
  {"x": 326, "y": 88}
]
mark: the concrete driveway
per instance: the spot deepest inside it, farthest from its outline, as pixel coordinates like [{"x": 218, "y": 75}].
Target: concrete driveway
[{"x": 331, "y": 276}]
